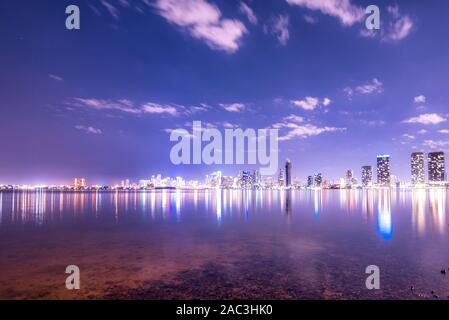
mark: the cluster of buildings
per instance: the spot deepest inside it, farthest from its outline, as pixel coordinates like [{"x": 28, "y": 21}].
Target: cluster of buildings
[{"x": 436, "y": 177}]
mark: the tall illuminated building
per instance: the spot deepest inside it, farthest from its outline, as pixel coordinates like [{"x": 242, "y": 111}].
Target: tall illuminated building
[
  {"x": 417, "y": 166},
  {"x": 383, "y": 170},
  {"x": 79, "y": 183},
  {"x": 436, "y": 165},
  {"x": 318, "y": 179},
  {"x": 281, "y": 180},
  {"x": 367, "y": 176},
  {"x": 288, "y": 173}
]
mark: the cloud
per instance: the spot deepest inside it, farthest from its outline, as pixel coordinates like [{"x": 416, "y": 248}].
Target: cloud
[
  {"x": 113, "y": 11},
  {"x": 375, "y": 86},
  {"x": 128, "y": 106},
  {"x": 56, "y": 77},
  {"x": 422, "y": 131},
  {"x": 203, "y": 21},
  {"x": 409, "y": 136},
  {"x": 426, "y": 119},
  {"x": 373, "y": 123},
  {"x": 311, "y": 103},
  {"x": 89, "y": 130},
  {"x": 400, "y": 26},
  {"x": 444, "y": 131},
  {"x": 307, "y": 130},
  {"x": 432, "y": 144},
  {"x": 234, "y": 107},
  {"x": 344, "y": 10},
  {"x": 279, "y": 27},
  {"x": 309, "y": 19},
  {"x": 420, "y": 99},
  {"x": 297, "y": 129},
  {"x": 246, "y": 10},
  {"x": 159, "y": 109}
]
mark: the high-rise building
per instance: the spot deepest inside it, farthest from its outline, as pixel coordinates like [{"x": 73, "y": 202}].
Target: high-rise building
[
  {"x": 383, "y": 170},
  {"x": 281, "y": 180},
  {"x": 310, "y": 181},
  {"x": 367, "y": 175},
  {"x": 436, "y": 165},
  {"x": 318, "y": 179},
  {"x": 79, "y": 183},
  {"x": 288, "y": 173},
  {"x": 417, "y": 166}
]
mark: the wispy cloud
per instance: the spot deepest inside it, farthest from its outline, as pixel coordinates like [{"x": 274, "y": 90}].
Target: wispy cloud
[
  {"x": 128, "y": 106},
  {"x": 344, "y": 10},
  {"x": 400, "y": 26},
  {"x": 56, "y": 77},
  {"x": 280, "y": 28},
  {"x": 311, "y": 103},
  {"x": 394, "y": 26},
  {"x": 436, "y": 144},
  {"x": 89, "y": 130},
  {"x": 426, "y": 119},
  {"x": 296, "y": 128},
  {"x": 234, "y": 107},
  {"x": 246, "y": 10},
  {"x": 203, "y": 21},
  {"x": 420, "y": 99},
  {"x": 113, "y": 11},
  {"x": 373, "y": 87},
  {"x": 444, "y": 131}
]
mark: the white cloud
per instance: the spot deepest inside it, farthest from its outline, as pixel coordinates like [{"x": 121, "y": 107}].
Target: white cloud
[
  {"x": 203, "y": 21},
  {"x": 294, "y": 118},
  {"x": 297, "y": 129},
  {"x": 56, "y": 77},
  {"x": 246, "y": 10},
  {"x": 432, "y": 144},
  {"x": 400, "y": 26},
  {"x": 374, "y": 87},
  {"x": 327, "y": 102},
  {"x": 427, "y": 119},
  {"x": 422, "y": 131},
  {"x": 307, "y": 130},
  {"x": 420, "y": 99},
  {"x": 409, "y": 136},
  {"x": 344, "y": 10},
  {"x": 127, "y": 106},
  {"x": 89, "y": 130},
  {"x": 444, "y": 131},
  {"x": 279, "y": 28},
  {"x": 113, "y": 11},
  {"x": 234, "y": 107},
  {"x": 309, "y": 19},
  {"x": 311, "y": 103},
  {"x": 159, "y": 109}
]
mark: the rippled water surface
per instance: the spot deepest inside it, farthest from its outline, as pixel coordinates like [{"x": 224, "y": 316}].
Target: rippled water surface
[{"x": 223, "y": 244}]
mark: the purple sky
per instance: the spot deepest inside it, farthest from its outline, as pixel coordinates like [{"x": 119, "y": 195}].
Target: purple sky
[{"x": 99, "y": 102}]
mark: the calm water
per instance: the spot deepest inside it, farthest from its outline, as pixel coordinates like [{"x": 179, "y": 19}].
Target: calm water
[{"x": 224, "y": 244}]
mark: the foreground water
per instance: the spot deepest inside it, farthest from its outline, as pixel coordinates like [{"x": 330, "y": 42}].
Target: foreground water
[{"x": 225, "y": 244}]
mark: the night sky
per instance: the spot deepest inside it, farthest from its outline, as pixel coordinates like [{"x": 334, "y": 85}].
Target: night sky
[{"x": 100, "y": 102}]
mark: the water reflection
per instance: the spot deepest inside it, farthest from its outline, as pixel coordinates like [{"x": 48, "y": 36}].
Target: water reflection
[
  {"x": 384, "y": 220},
  {"x": 424, "y": 210}
]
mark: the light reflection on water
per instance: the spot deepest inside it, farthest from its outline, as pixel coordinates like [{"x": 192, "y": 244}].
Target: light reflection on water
[{"x": 425, "y": 209}]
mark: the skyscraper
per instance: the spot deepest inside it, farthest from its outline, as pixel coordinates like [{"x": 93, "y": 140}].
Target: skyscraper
[
  {"x": 318, "y": 179},
  {"x": 281, "y": 180},
  {"x": 436, "y": 165},
  {"x": 367, "y": 175},
  {"x": 383, "y": 170},
  {"x": 417, "y": 163},
  {"x": 288, "y": 173}
]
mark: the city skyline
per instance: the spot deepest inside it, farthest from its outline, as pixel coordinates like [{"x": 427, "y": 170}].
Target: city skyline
[
  {"x": 101, "y": 101},
  {"x": 436, "y": 174}
]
